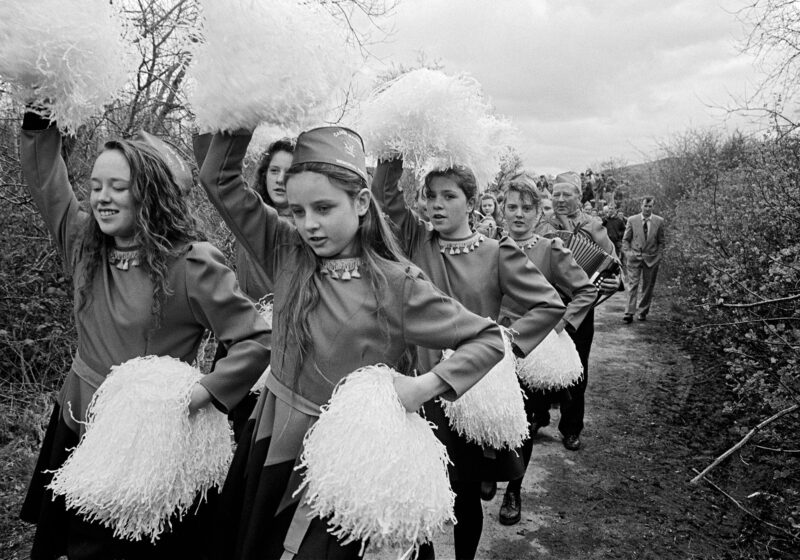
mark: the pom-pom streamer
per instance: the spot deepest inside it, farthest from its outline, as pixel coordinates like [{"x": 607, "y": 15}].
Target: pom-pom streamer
[
  {"x": 553, "y": 364},
  {"x": 435, "y": 121},
  {"x": 66, "y": 57},
  {"x": 492, "y": 412},
  {"x": 264, "y": 308},
  {"x": 376, "y": 470},
  {"x": 282, "y": 62},
  {"x": 143, "y": 459}
]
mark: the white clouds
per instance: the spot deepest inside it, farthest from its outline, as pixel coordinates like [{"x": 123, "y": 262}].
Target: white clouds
[{"x": 584, "y": 79}]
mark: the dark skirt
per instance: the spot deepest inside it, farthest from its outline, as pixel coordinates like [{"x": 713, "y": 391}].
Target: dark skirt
[
  {"x": 470, "y": 461},
  {"x": 61, "y": 532},
  {"x": 251, "y": 526}
]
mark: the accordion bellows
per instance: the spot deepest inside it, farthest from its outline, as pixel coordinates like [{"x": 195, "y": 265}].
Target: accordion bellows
[
  {"x": 553, "y": 364},
  {"x": 589, "y": 255},
  {"x": 492, "y": 412},
  {"x": 375, "y": 471},
  {"x": 143, "y": 461}
]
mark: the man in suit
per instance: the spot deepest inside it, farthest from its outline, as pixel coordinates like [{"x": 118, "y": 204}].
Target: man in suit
[
  {"x": 643, "y": 244},
  {"x": 569, "y": 216}
]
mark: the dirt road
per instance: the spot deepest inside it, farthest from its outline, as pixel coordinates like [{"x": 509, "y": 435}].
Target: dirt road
[{"x": 625, "y": 494}]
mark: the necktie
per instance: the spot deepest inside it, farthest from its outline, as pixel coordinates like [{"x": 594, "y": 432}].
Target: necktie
[{"x": 644, "y": 226}]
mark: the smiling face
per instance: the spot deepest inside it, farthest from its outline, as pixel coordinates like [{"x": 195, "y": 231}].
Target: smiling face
[
  {"x": 111, "y": 198},
  {"x": 326, "y": 217},
  {"x": 448, "y": 208},
  {"x": 521, "y": 215},
  {"x": 276, "y": 177}
]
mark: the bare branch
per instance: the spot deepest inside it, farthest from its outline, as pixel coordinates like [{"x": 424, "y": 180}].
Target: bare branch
[{"x": 744, "y": 440}]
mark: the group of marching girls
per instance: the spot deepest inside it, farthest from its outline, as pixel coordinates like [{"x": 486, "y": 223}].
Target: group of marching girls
[{"x": 381, "y": 323}]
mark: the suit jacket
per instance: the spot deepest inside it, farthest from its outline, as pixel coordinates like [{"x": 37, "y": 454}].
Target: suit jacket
[{"x": 636, "y": 247}]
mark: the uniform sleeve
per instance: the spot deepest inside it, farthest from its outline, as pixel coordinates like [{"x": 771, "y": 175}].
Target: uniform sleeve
[
  {"x": 521, "y": 281},
  {"x": 600, "y": 236},
  {"x": 217, "y": 303},
  {"x": 433, "y": 320},
  {"x": 255, "y": 224},
  {"x": 46, "y": 177},
  {"x": 385, "y": 190},
  {"x": 570, "y": 278}
]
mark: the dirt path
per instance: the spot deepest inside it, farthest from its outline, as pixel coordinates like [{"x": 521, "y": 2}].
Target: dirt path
[{"x": 625, "y": 494}]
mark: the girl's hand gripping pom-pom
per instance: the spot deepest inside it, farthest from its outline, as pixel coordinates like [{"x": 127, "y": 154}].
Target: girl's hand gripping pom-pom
[
  {"x": 143, "y": 459},
  {"x": 553, "y": 364},
  {"x": 68, "y": 58},
  {"x": 383, "y": 495},
  {"x": 492, "y": 413},
  {"x": 281, "y": 62}
]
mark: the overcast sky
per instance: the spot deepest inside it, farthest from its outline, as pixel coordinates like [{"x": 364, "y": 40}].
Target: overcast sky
[{"x": 585, "y": 80}]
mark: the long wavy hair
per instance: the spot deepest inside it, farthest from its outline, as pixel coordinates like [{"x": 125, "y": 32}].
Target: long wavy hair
[
  {"x": 375, "y": 244},
  {"x": 164, "y": 223},
  {"x": 282, "y": 145}
]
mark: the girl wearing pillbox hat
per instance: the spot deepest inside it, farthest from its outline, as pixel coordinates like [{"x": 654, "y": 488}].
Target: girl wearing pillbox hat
[
  {"x": 345, "y": 297},
  {"x": 479, "y": 272}
]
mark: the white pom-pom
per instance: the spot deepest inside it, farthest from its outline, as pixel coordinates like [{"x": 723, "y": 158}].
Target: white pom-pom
[
  {"x": 377, "y": 471},
  {"x": 264, "y": 308},
  {"x": 435, "y": 121},
  {"x": 283, "y": 62},
  {"x": 553, "y": 364},
  {"x": 492, "y": 412},
  {"x": 66, "y": 56},
  {"x": 142, "y": 459}
]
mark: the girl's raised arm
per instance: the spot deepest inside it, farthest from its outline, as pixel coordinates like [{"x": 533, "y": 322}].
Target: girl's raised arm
[
  {"x": 46, "y": 177},
  {"x": 385, "y": 190},
  {"x": 255, "y": 224}
]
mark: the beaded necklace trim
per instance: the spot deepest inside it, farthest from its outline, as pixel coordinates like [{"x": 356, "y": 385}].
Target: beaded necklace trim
[
  {"x": 529, "y": 242},
  {"x": 463, "y": 246},
  {"x": 125, "y": 258},
  {"x": 341, "y": 269}
]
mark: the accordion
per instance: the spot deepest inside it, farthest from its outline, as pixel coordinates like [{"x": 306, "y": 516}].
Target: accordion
[{"x": 597, "y": 264}]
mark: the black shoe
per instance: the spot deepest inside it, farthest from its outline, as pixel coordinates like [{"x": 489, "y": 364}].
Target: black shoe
[
  {"x": 573, "y": 443},
  {"x": 488, "y": 490},
  {"x": 627, "y": 319},
  {"x": 511, "y": 510}
]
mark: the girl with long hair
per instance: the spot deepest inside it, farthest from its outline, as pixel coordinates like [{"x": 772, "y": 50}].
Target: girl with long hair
[
  {"x": 490, "y": 218},
  {"x": 145, "y": 283},
  {"x": 478, "y": 272},
  {"x": 523, "y": 209},
  {"x": 345, "y": 297}
]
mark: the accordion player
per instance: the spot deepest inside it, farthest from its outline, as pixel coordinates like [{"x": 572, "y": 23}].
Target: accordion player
[{"x": 597, "y": 263}]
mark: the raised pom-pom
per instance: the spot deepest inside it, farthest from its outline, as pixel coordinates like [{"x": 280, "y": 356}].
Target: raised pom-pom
[
  {"x": 435, "y": 121},
  {"x": 492, "y": 412},
  {"x": 282, "y": 62},
  {"x": 143, "y": 460},
  {"x": 66, "y": 57},
  {"x": 264, "y": 308},
  {"x": 553, "y": 364},
  {"x": 374, "y": 470}
]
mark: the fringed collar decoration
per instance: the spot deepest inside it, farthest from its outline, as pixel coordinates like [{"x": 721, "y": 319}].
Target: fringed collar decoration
[
  {"x": 341, "y": 269},
  {"x": 529, "y": 242},
  {"x": 461, "y": 246},
  {"x": 124, "y": 257}
]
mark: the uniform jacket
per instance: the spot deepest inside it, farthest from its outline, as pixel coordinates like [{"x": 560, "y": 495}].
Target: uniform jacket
[{"x": 636, "y": 247}]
